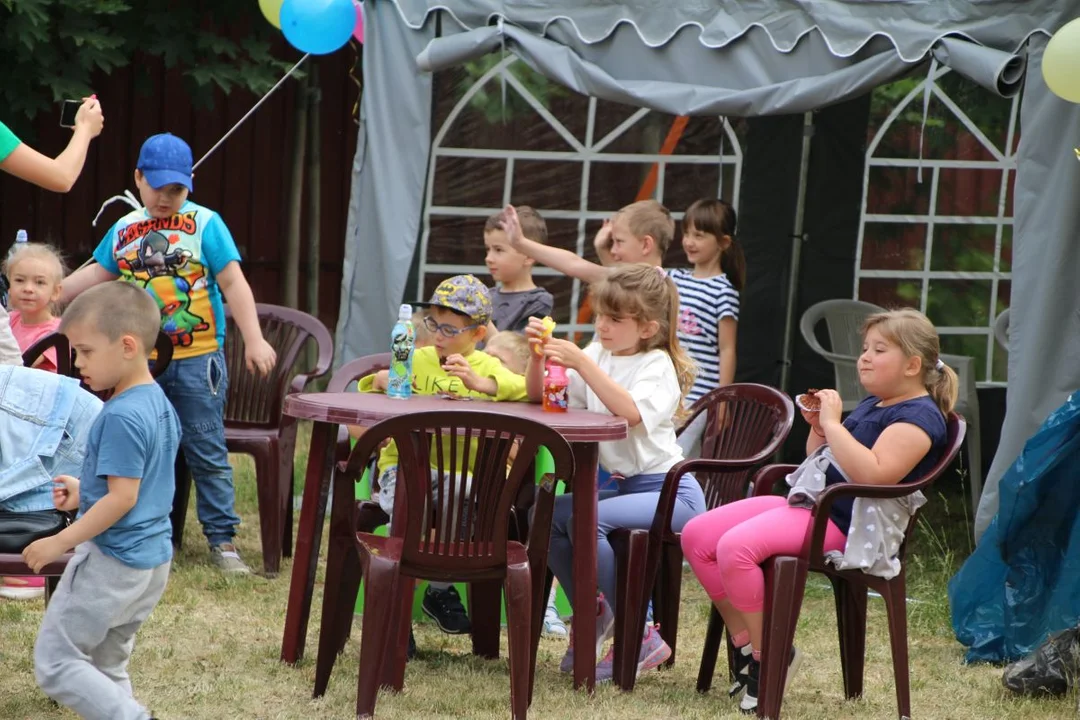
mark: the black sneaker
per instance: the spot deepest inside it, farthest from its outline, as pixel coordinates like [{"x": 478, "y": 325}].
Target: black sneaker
[
  {"x": 445, "y": 608},
  {"x": 743, "y": 656},
  {"x": 748, "y": 705}
]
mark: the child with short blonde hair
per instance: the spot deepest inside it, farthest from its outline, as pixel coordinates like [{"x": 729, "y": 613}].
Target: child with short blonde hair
[{"x": 516, "y": 298}]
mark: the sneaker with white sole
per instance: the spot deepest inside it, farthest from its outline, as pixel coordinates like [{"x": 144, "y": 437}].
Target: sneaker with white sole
[
  {"x": 553, "y": 623},
  {"x": 748, "y": 704},
  {"x": 227, "y": 559},
  {"x": 743, "y": 656},
  {"x": 605, "y": 630},
  {"x": 654, "y": 653}
]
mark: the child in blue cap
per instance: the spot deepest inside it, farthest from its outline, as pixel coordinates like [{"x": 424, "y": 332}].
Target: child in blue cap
[{"x": 185, "y": 257}]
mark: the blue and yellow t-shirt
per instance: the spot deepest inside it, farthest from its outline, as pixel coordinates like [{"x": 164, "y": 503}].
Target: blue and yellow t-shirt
[{"x": 177, "y": 260}]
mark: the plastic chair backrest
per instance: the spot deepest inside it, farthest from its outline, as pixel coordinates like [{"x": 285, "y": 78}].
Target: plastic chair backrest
[
  {"x": 1001, "y": 329},
  {"x": 844, "y": 321},
  {"x": 52, "y": 341},
  {"x": 455, "y": 493},
  {"x": 255, "y": 401},
  {"x": 743, "y": 420},
  {"x": 345, "y": 377}
]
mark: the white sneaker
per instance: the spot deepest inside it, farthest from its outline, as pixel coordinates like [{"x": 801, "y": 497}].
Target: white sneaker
[
  {"x": 17, "y": 592},
  {"x": 553, "y": 624},
  {"x": 227, "y": 559}
]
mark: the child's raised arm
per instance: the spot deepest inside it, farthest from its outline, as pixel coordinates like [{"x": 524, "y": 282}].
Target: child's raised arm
[{"x": 564, "y": 261}]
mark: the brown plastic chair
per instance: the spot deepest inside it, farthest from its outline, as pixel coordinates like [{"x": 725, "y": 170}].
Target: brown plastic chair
[
  {"x": 785, "y": 581},
  {"x": 11, "y": 564},
  {"x": 65, "y": 356},
  {"x": 745, "y": 425},
  {"x": 452, "y": 532},
  {"x": 255, "y": 425}
]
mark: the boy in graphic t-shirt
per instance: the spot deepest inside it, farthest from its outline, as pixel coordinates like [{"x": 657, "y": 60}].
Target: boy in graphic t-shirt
[{"x": 185, "y": 257}]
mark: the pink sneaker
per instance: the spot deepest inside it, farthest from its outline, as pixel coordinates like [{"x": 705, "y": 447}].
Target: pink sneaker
[
  {"x": 605, "y": 629},
  {"x": 22, "y": 588},
  {"x": 654, "y": 652}
]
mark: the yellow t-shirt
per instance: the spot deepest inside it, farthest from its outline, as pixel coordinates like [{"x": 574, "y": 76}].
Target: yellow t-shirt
[{"x": 430, "y": 379}]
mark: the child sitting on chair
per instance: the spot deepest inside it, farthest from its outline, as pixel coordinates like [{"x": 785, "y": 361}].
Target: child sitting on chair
[{"x": 895, "y": 435}]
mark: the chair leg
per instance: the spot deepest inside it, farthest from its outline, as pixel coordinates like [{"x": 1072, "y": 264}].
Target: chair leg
[
  {"x": 896, "y": 607},
  {"x": 271, "y": 511},
  {"x": 51, "y": 583},
  {"x": 393, "y": 675},
  {"x": 339, "y": 598},
  {"x": 381, "y": 588},
  {"x": 178, "y": 516},
  {"x": 709, "y": 653},
  {"x": 286, "y": 471},
  {"x": 851, "y": 627},
  {"x": 785, "y": 581},
  {"x": 484, "y": 611},
  {"x": 518, "y": 589},
  {"x": 668, "y": 596},
  {"x": 631, "y": 602},
  {"x": 542, "y": 581}
]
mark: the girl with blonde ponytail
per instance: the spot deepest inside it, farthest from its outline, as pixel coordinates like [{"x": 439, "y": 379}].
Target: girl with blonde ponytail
[{"x": 895, "y": 435}]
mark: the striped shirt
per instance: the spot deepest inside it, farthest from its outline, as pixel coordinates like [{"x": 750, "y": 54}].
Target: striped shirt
[{"x": 703, "y": 303}]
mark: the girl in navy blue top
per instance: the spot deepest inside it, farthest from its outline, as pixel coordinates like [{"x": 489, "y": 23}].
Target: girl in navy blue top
[{"x": 895, "y": 435}]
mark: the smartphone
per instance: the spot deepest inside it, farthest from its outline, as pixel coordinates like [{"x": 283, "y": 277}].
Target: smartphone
[{"x": 68, "y": 112}]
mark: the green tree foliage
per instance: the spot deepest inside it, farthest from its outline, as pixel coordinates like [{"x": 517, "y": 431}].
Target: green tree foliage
[
  {"x": 497, "y": 106},
  {"x": 52, "y": 49}
]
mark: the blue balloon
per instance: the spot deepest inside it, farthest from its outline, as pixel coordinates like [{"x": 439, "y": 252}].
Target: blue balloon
[{"x": 318, "y": 27}]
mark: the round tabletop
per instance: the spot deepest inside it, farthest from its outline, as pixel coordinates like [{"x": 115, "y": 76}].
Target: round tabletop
[{"x": 353, "y": 408}]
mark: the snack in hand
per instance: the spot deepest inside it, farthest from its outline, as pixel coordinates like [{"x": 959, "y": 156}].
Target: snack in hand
[
  {"x": 809, "y": 401},
  {"x": 549, "y": 327}
]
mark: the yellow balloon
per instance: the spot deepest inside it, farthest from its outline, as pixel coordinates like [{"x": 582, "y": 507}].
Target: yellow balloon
[
  {"x": 1061, "y": 62},
  {"x": 272, "y": 10}
]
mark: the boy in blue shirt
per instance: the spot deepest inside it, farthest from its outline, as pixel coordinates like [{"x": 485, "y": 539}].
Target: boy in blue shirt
[
  {"x": 122, "y": 536},
  {"x": 185, "y": 257}
]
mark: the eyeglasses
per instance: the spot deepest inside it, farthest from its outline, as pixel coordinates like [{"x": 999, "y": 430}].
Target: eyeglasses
[{"x": 447, "y": 331}]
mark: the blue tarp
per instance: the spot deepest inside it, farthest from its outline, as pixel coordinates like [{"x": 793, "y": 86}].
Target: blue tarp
[{"x": 1023, "y": 580}]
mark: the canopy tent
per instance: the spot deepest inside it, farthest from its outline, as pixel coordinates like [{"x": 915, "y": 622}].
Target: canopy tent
[{"x": 765, "y": 58}]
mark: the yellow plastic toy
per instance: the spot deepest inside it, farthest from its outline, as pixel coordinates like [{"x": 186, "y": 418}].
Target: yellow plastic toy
[{"x": 549, "y": 327}]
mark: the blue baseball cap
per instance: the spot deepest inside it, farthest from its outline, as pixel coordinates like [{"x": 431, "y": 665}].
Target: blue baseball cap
[{"x": 165, "y": 159}]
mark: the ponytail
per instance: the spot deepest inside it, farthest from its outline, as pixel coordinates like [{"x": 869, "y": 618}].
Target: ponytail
[
  {"x": 733, "y": 261},
  {"x": 943, "y": 386}
]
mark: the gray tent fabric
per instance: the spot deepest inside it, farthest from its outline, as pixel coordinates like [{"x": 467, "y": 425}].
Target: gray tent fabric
[
  {"x": 913, "y": 26},
  {"x": 1044, "y": 315},
  {"x": 389, "y": 172},
  {"x": 746, "y": 78}
]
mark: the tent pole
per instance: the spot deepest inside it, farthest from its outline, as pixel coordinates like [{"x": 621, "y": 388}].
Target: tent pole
[{"x": 797, "y": 238}]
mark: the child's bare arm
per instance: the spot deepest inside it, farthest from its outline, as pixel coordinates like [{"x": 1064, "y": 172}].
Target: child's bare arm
[
  {"x": 83, "y": 279},
  {"x": 564, "y": 261},
  {"x": 258, "y": 354},
  {"x": 122, "y": 495}
]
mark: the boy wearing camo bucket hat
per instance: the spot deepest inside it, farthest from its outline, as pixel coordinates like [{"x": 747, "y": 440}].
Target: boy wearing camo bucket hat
[{"x": 457, "y": 319}]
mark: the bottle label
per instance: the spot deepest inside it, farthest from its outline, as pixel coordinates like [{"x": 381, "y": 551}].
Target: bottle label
[
  {"x": 556, "y": 397},
  {"x": 402, "y": 343}
]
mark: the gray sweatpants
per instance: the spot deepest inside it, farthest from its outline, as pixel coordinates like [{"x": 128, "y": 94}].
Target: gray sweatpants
[{"x": 86, "y": 637}]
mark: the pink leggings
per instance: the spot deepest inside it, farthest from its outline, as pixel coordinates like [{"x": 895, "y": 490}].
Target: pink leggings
[{"x": 726, "y": 546}]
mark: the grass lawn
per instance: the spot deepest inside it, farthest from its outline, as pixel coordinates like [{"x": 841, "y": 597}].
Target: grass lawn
[{"x": 210, "y": 650}]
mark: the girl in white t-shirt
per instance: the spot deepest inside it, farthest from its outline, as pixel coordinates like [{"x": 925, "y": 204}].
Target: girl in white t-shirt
[{"x": 635, "y": 369}]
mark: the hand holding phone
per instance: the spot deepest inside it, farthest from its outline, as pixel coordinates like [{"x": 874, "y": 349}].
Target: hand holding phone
[
  {"x": 68, "y": 111},
  {"x": 86, "y": 113}
]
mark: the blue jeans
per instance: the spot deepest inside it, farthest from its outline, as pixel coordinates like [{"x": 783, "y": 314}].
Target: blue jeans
[
  {"x": 197, "y": 388},
  {"x": 631, "y": 505}
]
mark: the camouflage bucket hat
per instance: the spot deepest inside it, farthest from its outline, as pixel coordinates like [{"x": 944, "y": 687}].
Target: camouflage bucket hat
[{"x": 464, "y": 294}]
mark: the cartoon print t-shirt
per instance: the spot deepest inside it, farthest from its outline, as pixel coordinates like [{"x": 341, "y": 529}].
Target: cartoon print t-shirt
[{"x": 177, "y": 260}]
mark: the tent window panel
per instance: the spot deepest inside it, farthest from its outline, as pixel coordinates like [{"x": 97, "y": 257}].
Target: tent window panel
[
  {"x": 456, "y": 241},
  {"x": 469, "y": 182},
  {"x": 959, "y": 303},
  {"x": 963, "y": 248},
  {"x": 891, "y": 292},
  {"x": 533, "y": 180},
  {"x": 971, "y": 192},
  {"x": 613, "y": 185},
  {"x": 973, "y": 346},
  {"x": 1004, "y": 293},
  {"x": 896, "y": 191},
  {"x": 894, "y": 246}
]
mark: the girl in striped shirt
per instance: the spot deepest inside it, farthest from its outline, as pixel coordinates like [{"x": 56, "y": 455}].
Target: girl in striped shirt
[{"x": 709, "y": 302}]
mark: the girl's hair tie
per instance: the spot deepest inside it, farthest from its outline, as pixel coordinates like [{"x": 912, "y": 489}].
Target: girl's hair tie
[
  {"x": 939, "y": 365},
  {"x": 660, "y": 272}
]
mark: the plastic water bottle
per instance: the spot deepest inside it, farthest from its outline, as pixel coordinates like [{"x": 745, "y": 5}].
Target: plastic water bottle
[
  {"x": 21, "y": 238},
  {"x": 556, "y": 388},
  {"x": 402, "y": 345}
]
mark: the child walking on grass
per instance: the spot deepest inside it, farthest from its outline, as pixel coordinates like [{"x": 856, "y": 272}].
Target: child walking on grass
[
  {"x": 122, "y": 537},
  {"x": 185, "y": 257},
  {"x": 895, "y": 435},
  {"x": 34, "y": 273},
  {"x": 635, "y": 369}
]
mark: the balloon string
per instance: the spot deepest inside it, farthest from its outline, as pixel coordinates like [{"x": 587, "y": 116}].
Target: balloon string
[
  {"x": 355, "y": 47},
  {"x": 251, "y": 111}
]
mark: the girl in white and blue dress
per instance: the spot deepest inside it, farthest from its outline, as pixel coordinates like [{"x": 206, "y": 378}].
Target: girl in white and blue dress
[{"x": 708, "y": 302}]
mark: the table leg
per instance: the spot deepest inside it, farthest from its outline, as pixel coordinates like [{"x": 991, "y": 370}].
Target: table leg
[
  {"x": 584, "y": 531},
  {"x": 308, "y": 539}
]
